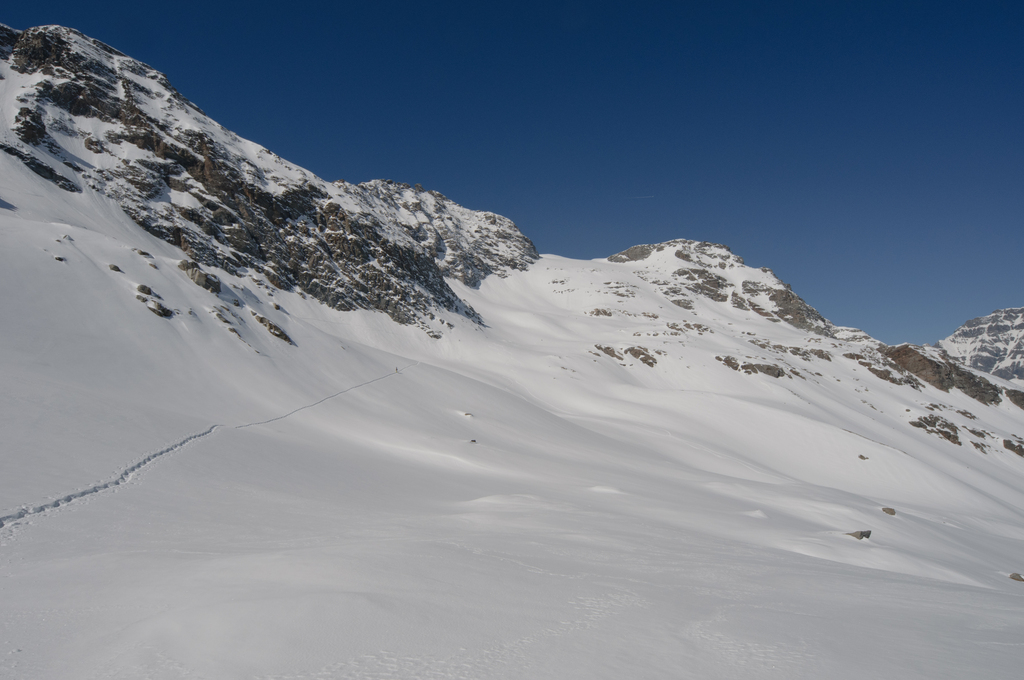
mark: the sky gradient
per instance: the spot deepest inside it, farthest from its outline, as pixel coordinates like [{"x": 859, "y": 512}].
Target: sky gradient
[{"x": 870, "y": 153}]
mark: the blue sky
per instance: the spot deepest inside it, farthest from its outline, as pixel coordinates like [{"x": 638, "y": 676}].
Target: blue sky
[{"x": 870, "y": 153}]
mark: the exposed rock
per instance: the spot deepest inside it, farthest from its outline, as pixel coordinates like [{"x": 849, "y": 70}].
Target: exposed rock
[
  {"x": 633, "y": 254},
  {"x": 762, "y": 292},
  {"x": 768, "y": 369},
  {"x": 707, "y": 284},
  {"x": 730, "y": 362},
  {"x": 114, "y": 268},
  {"x": 1017, "y": 577},
  {"x": 804, "y": 353},
  {"x": 156, "y": 307},
  {"x": 40, "y": 168},
  {"x": 199, "y": 277},
  {"x": 643, "y": 355},
  {"x": 380, "y": 245},
  {"x": 1015, "y": 396},
  {"x": 1016, "y": 447},
  {"x": 943, "y": 374},
  {"x": 993, "y": 344},
  {"x": 866, "y": 533},
  {"x": 609, "y": 351},
  {"x": 889, "y": 511},
  {"x": 938, "y": 426},
  {"x": 144, "y": 289},
  {"x": 791, "y": 308},
  {"x": 274, "y": 329}
]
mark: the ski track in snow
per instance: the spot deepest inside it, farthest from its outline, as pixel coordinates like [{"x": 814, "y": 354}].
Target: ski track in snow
[
  {"x": 328, "y": 398},
  {"x": 120, "y": 479},
  {"x": 127, "y": 473}
]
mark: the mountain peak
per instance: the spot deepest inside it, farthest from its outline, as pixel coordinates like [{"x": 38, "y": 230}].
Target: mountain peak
[
  {"x": 993, "y": 343},
  {"x": 688, "y": 270},
  {"x": 85, "y": 117}
]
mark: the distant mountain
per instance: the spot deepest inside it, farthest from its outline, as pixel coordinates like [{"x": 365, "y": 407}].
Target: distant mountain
[
  {"x": 993, "y": 344},
  {"x": 257, "y": 424}
]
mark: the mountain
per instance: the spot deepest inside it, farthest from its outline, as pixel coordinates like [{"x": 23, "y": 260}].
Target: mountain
[
  {"x": 85, "y": 116},
  {"x": 993, "y": 344},
  {"x": 260, "y": 425}
]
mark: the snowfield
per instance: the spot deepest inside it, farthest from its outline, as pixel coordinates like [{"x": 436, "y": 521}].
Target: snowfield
[
  {"x": 662, "y": 465},
  {"x": 506, "y": 501}
]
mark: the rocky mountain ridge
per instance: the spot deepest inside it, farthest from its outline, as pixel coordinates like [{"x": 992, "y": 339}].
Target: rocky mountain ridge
[
  {"x": 85, "y": 117},
  {"x": 701, "y": 272},
  {"x": 993, "y": 343}
]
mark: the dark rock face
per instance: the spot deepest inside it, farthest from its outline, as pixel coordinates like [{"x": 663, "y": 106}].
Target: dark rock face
[
  {"x": 944, "y": 374},
  {"x": 643, "y": 354},
  {"x": 274, "y": 329},
  {"x": 993, "y": 344},
  {"x": 791, "y": 308},
  {"x": 40, "y": 168},
  {"x": 633, "y": 254},
  {"x": 768, "y": 369},
  {"x": 230, "y": 204},
  {"x": 706, "y": 283},
  {"x": 938, "y": 426},
  {"x": 199, "y": 277}
]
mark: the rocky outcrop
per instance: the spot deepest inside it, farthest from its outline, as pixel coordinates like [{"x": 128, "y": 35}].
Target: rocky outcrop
[
  {"x": 993, "y": 344},
  {"x": 199, "y": 277},
  {"x": 643, "y": 354},
  {"x": 940, "y": 372},
  {"x": 274, "y": 329},
  {"x": 938, "y": 426},
  {"x": 230, "y": 204},
  {"x": 711, "y": 271},
  {"x": 768, "y": 369}
]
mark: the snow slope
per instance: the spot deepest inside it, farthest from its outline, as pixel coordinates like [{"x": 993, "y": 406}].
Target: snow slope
[
  {"x": 626, "y": 468},
  {"x": 610, "y": 519}
]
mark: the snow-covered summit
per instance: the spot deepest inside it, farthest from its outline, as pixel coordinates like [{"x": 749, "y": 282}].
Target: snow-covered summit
[
  {"x": 992, "y": 343},
  {"x": 685, "y": 269}
]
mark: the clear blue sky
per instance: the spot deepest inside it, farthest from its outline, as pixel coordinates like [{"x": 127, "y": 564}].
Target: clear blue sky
[{"x": 871, "y": 153}]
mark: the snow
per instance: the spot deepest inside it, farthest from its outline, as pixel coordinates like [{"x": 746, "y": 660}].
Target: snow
[
  {"x": 191, "y": 497},
  {"x": 308, "y": 512}
]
